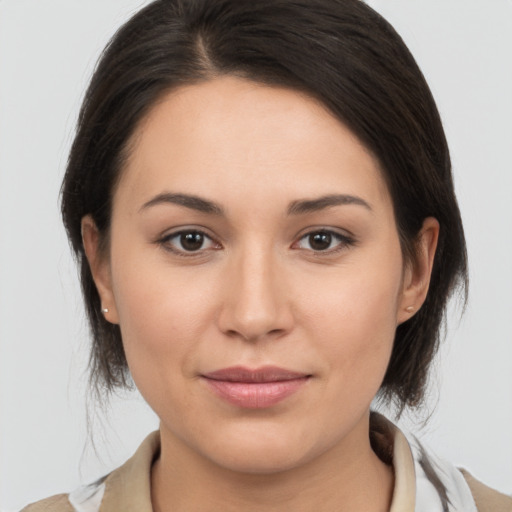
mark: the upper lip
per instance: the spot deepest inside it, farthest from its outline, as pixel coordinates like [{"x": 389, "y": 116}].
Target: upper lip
[{"x": 262, "y": 374}]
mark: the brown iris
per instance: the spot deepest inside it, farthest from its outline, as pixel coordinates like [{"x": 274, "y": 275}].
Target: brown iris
[
  {"x": 320, "y": 241},
  {"x": 192, "y": 241}
]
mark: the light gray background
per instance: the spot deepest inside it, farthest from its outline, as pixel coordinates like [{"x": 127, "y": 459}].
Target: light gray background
[{"x": 47, "y": 52}]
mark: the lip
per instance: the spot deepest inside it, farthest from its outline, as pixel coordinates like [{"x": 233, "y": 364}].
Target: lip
[{"x": 255, "y": 388}]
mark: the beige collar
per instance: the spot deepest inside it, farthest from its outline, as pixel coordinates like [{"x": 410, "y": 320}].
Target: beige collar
[
  {"x": 128, "y": 488},
  {"x": 404, "y": 493}
]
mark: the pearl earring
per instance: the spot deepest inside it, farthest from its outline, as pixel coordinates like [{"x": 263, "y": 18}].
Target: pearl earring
[
  {"x": 409, "y": 309},
  {"x": 104, "y": 310}
]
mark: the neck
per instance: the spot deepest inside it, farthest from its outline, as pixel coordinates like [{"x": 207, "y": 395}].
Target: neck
[{"x": 347, "y": 477}]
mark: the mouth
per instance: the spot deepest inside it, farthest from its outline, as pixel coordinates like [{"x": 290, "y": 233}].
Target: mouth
[{"x": 255, "y": 388}]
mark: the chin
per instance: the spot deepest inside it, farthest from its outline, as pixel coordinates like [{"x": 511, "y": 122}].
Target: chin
[
  {"x": 261, "y": 452},
  {"x": 265, "y": 460}
]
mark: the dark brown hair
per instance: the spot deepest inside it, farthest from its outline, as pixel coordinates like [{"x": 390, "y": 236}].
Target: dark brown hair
[{"x": 339, "y": 51}]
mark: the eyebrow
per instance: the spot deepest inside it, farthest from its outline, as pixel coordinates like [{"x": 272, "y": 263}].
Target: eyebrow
[
  {"x": 298, "y": 207},
  {"x": 314, "y": 205},
  {"x": 186, "y": 200}
]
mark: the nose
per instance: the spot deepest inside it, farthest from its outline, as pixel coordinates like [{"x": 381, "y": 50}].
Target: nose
[{"x": 256, "y": 304}]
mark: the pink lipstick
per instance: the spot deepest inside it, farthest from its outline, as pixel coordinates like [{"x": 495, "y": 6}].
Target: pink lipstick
[{"x": 255, "y": 389}]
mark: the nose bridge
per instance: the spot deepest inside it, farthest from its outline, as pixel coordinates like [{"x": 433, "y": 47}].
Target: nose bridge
[{"x": 257, "y": 305}]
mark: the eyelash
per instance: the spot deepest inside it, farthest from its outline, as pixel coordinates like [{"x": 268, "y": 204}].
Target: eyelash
[{"x": 344, "y": 242}]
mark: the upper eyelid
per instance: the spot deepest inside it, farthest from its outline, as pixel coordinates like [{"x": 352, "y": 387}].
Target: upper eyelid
[
  {"x": 343, "y": 233},
  {"x": 179, "y": 231}
]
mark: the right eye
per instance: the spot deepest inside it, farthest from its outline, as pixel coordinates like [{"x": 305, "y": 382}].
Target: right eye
[
  {"x": 188, "y": 242},
  {"x": 324, "y": 241}
]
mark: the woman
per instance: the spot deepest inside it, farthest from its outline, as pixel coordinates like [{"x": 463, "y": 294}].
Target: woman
[{"x": 260, "y": 199}]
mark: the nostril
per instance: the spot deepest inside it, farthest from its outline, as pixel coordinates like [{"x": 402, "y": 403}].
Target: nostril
[{"x": 255, "y": 336}]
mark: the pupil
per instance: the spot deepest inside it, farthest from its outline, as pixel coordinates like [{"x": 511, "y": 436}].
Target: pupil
[
  {"x": 320, "y": 241},
  {"x": 192, "y": 241}
]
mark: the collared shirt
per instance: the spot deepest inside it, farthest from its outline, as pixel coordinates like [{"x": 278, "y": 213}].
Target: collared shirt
[{"x": 423, "y": 482}]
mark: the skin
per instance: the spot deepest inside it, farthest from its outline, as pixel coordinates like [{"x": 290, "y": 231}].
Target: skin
[{"x": 256, "y": 293}]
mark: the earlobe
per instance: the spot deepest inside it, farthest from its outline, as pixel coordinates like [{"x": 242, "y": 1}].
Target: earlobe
[
  {"x": 100, "y": 268},
  {"x": 417, "y": 274}
]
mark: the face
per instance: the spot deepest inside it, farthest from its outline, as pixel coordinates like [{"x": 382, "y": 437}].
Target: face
[{"x": 256, "y": 273}]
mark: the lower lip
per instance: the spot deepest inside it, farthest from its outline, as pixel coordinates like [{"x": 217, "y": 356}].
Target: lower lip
[{"x": 255, "y": 395}]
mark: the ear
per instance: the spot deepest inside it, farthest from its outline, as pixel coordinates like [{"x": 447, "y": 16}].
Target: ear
[
  {"x": 99, "y": 264},
  {"x": 417, "y": 273}
]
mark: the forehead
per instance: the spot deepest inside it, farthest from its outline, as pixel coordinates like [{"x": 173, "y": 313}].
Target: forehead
[{"x": 260, "y": 141}]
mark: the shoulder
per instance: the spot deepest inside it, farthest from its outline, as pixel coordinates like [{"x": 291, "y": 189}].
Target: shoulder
[
  {"x": 487, "y": 499},
  {"x": 432, "y": 483},
  {"x": 57, "y": 503},
  {"x": 126, "y": 488}
]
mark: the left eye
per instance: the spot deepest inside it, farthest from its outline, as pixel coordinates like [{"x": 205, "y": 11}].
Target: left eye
[
  {"x": 189, "y": 241},
  {"x": 323, "y": 240}
]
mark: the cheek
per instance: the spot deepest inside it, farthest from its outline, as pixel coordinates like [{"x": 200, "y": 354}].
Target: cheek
[
  {"x": 354, "y": 318},
  {"x": 162, "y": 314}
]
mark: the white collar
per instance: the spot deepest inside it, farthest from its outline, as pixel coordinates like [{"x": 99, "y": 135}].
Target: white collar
[{"x": 423, "y": 481}]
